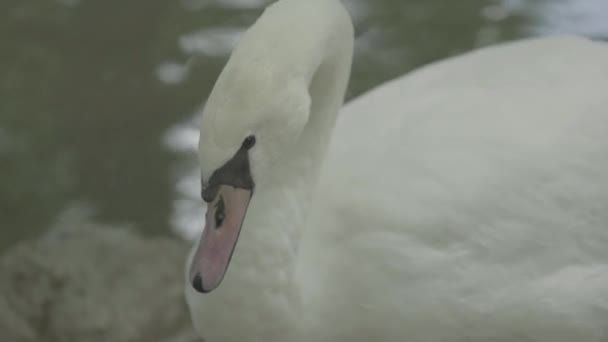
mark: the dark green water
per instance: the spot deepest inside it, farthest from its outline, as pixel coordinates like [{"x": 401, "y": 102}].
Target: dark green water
[{"x": 90, "y": 88}]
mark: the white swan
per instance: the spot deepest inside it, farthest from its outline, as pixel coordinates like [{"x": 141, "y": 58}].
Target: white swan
[{"x": 467, "y": 201}]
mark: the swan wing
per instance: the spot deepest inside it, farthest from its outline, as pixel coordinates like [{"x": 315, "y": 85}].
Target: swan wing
[{"x": 469, "y": 200}]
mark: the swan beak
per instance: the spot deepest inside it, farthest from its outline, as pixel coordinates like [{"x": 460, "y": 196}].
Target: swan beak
[{"x": 225, "y": 215}]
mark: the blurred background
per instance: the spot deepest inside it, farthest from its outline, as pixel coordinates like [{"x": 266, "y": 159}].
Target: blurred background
[{"x": 99, "y": 102}]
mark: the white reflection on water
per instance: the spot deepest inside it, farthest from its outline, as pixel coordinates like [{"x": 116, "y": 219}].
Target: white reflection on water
[
  {"x": 183, "y": 137},
  {"x": 214, "y": 42},
  {"x": 582, "y": 17},
  {"x": 172, "y": 72},
  {"x": 501, "y": 10},
  {"x": 187, "y": 214}
]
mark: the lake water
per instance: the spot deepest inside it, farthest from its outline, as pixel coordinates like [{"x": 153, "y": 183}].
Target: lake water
[{"x": 98, "y": 97}]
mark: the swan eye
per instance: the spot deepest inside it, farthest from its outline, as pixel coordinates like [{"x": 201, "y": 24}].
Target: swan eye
[
  {"x": 219, "y": 213},
  {"x": 249, "y": 142}
]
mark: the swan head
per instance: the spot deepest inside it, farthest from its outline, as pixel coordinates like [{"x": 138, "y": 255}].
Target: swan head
[{"x": 251, "y": 121}]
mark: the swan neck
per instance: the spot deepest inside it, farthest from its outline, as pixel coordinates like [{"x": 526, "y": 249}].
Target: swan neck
[{"x": 260, "y": 286}]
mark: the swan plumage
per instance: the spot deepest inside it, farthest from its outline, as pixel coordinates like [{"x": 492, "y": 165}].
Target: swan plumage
[{"x": 465, "y": 201}]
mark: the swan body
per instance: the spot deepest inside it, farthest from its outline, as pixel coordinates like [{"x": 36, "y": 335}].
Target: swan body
[{"x": 466, "y": 201}]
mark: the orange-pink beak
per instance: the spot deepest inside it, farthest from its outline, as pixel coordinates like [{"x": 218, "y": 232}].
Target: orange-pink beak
[{"x": 225, "y": 216}]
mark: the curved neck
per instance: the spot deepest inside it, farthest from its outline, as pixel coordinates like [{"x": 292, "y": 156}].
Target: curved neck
[
  {"x": 259, "y": 294},
  {"x": 322, "y": 61}
]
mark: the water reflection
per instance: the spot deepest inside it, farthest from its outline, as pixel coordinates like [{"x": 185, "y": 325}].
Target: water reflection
[
  {"x": 188, "y": 209},
  {"x": 582, "y": 17},
  {"x": 215, "y": 42},
  {"x": 173, "y": 72}
]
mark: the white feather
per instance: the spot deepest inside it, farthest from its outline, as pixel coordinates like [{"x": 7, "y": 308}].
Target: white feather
[{"x": 467, "y": 201}]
